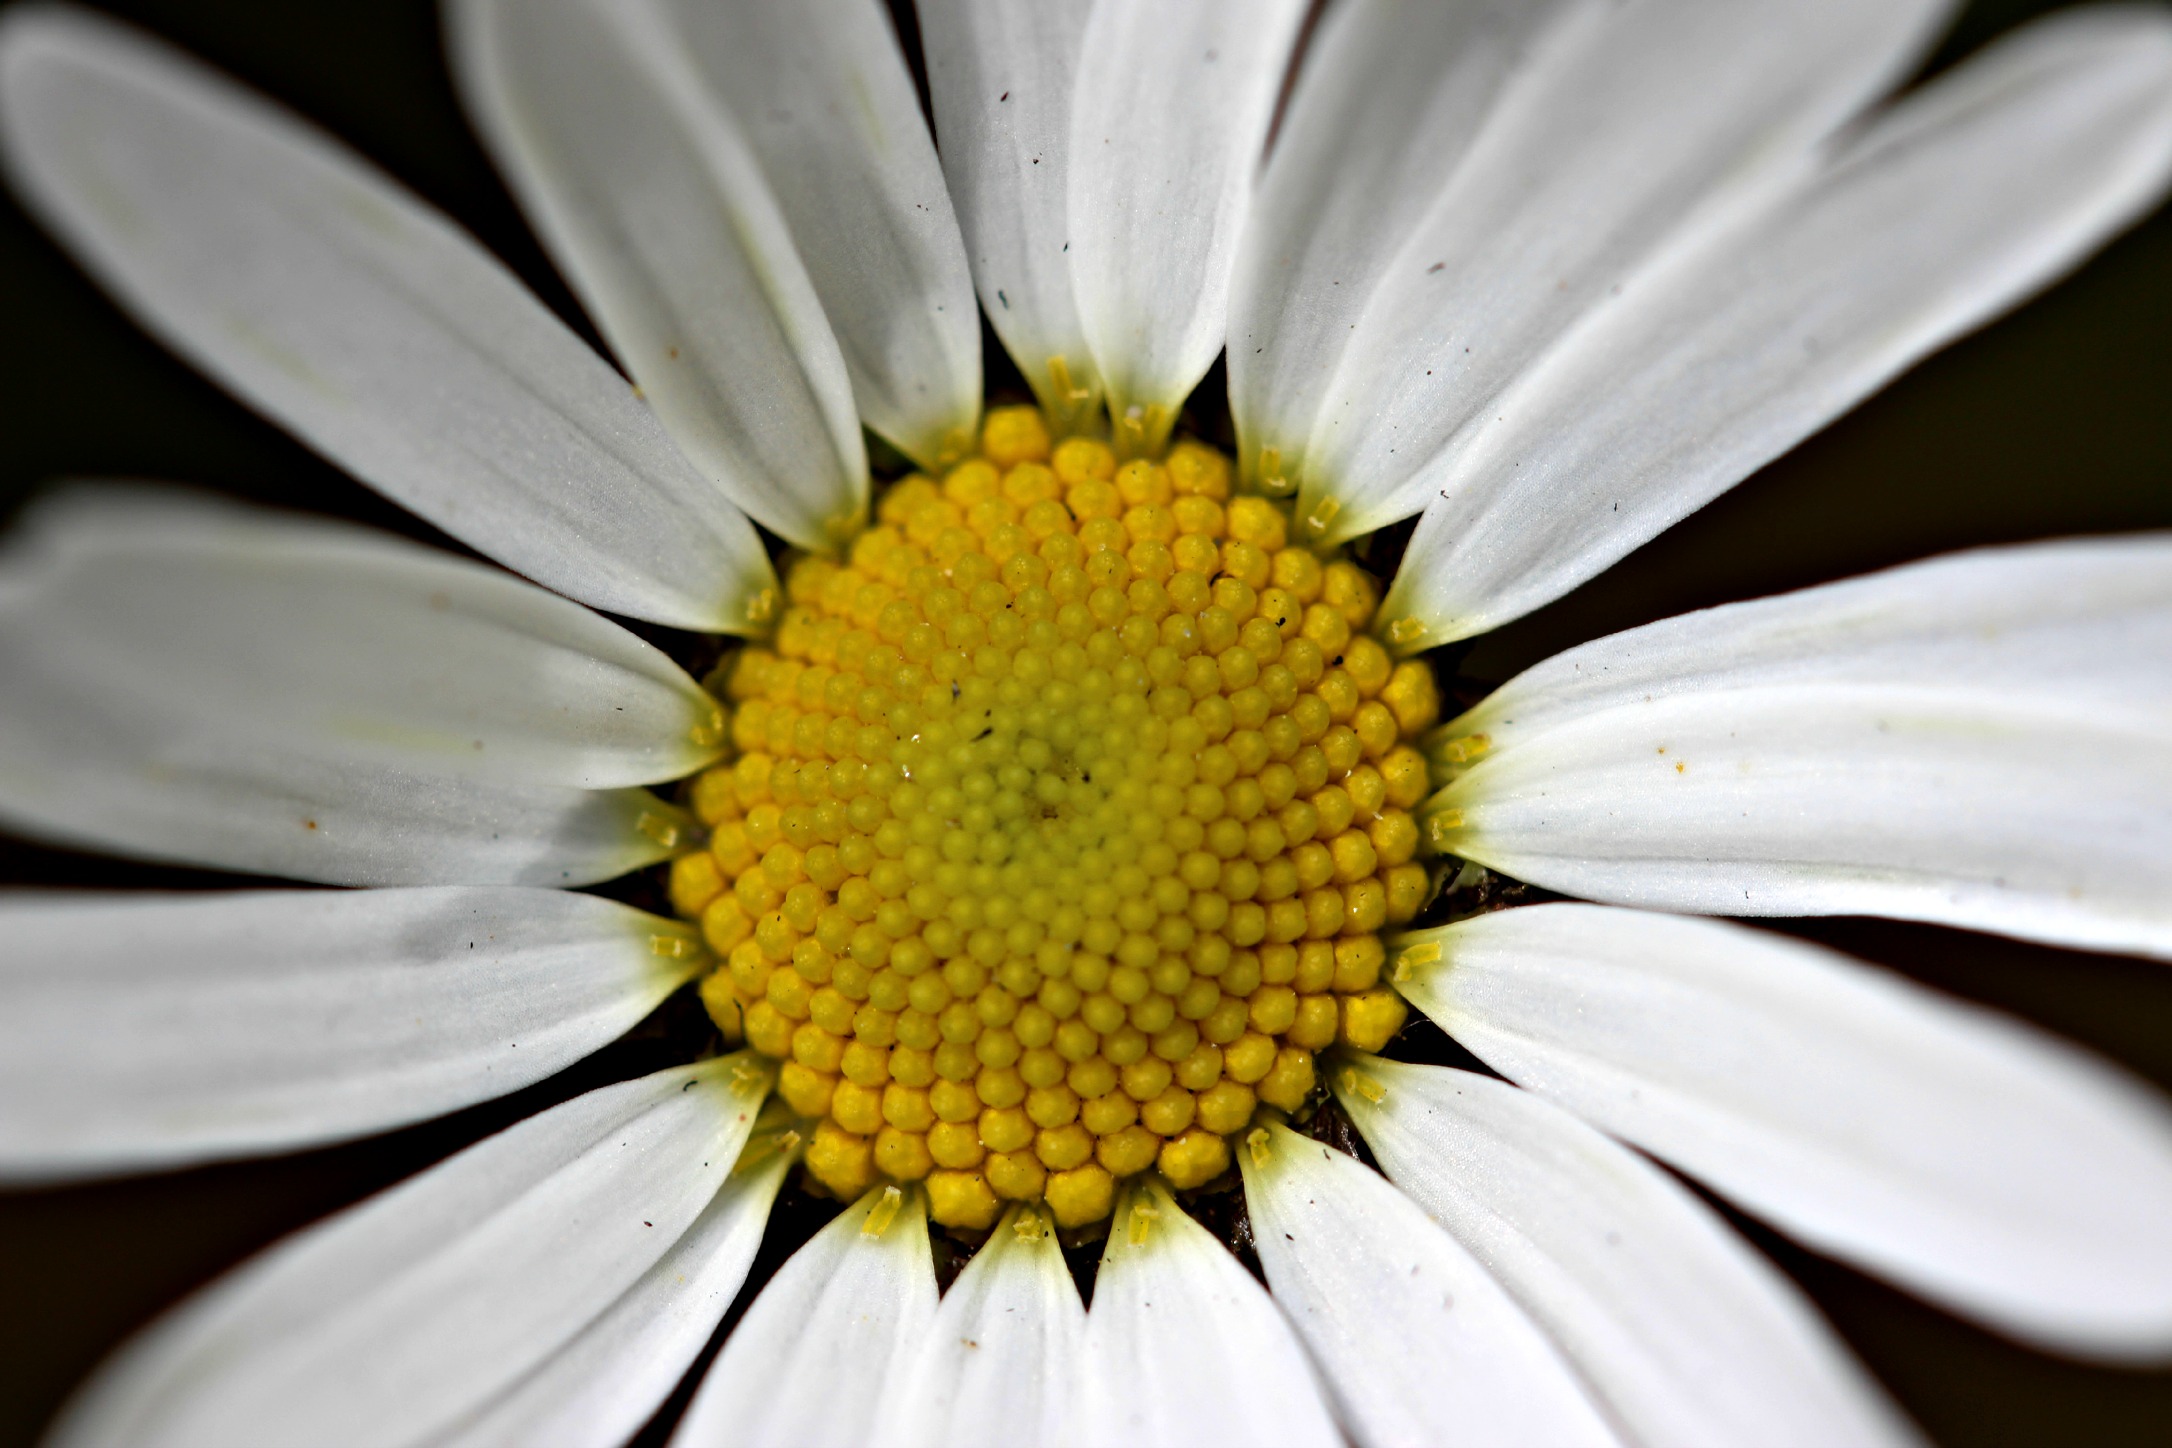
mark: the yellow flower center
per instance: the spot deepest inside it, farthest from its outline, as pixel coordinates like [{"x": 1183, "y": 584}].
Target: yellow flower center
[{"x": 1066, "y": 817}]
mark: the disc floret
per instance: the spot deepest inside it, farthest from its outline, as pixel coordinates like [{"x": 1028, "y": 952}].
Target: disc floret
[{"x": 1066, "y": 816}]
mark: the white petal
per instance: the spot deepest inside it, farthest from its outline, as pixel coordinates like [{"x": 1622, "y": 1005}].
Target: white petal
[
  {"x": 106, "y": 762},
  {"x": 1963, "y": 199},
  {"x": 1169, "y": 122},
  {"x": 1003, "y": 1362},
  {"x": 1000, "y": 75},
  {"x": 599, "y": 1389},
  {"x": 1390, "y": 99},
  {"x": 143, "y": 1030},
  {"x": 80, "y": 771},
  {"x": 823, "y": 97},
  {"x": 1989, "y": 1167},
  {"x": 1419, "y": 1345},
  {"x": 398, "y": 1318},
  {"x": 654, "y": 205},
  {"x": 2086, "y": 621},
  {"x": 1625, "y": 131},
  {"x": 816, "y": 1359},
  {"x": 1984, "y": 740},
  {"x": 343, "y": 640},
  {"x": 1185, "y": 1348},
  {"x": 321, "y": 293},
  {"x": 1683, "y": 1333}
]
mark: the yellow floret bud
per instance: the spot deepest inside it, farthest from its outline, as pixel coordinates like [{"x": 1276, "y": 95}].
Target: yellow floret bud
[
  {"x": 1414, "y": 695},
  {"x": 1194, "y": 1158},
  {"x": 841, "y": 1162},
  {"x": 1225, "y": 1107},
  {"x": 1016, "y": 1176},
  {"x": 961, "y": 1199},
  {"x": 856, "y": 1108},
  {"x": 696, "y": 880},
  {"x": 722, "y": 1003},
  {"x": 1406, "y": 887},
  {"x": 1350, "y": 591},
  {"x": 1291, "y": 1080},
  {"x": 903, "y": 1155},
  {"x": 1063, "y": 1147},
  {"x": 768, "y": 1030},
  {"x": 806, "y": 1091},
  {"x": 1315, "y": 1026},
  {"x": 1129, "y": 1151},
  {"x": 1371, "y": 1019},
  {"x": 1083, "y": 459},
  {"x": 714, "y": 800},
  {"x": 724, "y": 923},
  {"x": 955, "y": 1144},
  {"x": 1198, "y": 471},
  {"x": 1079, "y": 1196}
]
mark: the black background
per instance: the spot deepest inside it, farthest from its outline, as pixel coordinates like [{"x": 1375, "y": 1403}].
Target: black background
[{"x": 2054, "y": 421}]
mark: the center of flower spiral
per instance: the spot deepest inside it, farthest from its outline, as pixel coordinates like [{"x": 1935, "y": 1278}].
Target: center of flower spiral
[{"x": 1065, "y": 818}]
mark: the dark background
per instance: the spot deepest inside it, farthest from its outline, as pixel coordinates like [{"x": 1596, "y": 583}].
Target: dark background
[{"x": 2051, "y": 422}]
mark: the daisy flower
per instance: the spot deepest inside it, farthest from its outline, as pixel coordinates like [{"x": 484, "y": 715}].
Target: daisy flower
[{"x": 1063, "y": 849}]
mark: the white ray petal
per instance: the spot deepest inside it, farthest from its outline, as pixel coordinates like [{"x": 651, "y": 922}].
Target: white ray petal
[
  {"x": 398, "y": 1318},
  {"x": 1169, "y": 123},
  {"x": 1418, "y": 1344},
  {"x": 653, "y": 202},
  {"x": 1003, "y": 1362},
  {"x": 2082, "y": 620},
  {"x": 2018, "y": 816},
  {"x": 1000, "y": 76},
  {"x": 1963, "y": 199},
  {"x": 1184, "y": 1347},
  {"x": 1625, "y": 131},
  {"x": 155, "y": 1030},
  {"x": 344, "y": 640},
  {"x": 822, "y": 95},
  {"x": 599, "y": 1389},
  {"x": 363, "y": 321},
  {"x": 1388, "y": 104},
  {"x": 108, "y": 769},
  {"x": 106, "y": 759},
  {"x": 816, "y": 1361},
  {"x": 1684, "y": 1334},
  {"x": 1992, "y": 1168},
  {"x": 1982, "y": 740}
]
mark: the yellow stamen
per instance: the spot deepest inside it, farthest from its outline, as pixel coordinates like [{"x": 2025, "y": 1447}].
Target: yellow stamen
[
  {"x": 1143, "y": 1214},
  {"x": 709, "y": 732},
  {"x": 883, "y": 1213},
  {"x": 1358, "y": 1083},
  {"x": 674, "y": 947},
  {"x": 1140, "y": 429},
  {"x": 1464, "y": 749},
  {"x": 764, "y": 1146},
  {"x": 1029, "y": 1225},
  {"x": 1425, "y": 952},
  {"x": 749, "y": 1079},
  {"x": 660, "y": 828},
  {"x": 1059, "y": 376}
]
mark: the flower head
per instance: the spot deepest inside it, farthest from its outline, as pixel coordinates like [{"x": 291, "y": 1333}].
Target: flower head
[{"x": 1077, "y": 819}]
